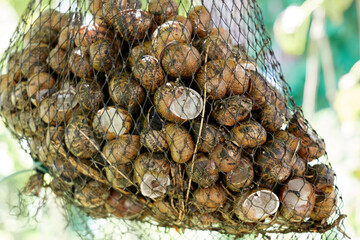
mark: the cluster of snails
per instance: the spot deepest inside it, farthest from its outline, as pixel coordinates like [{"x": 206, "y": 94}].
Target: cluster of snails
[{"x": 149, "y": 114}]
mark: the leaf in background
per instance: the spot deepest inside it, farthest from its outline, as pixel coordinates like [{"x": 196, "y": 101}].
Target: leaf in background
[
  {"x": 335, "y": 9},
  {"x": 291, "y": 28}
]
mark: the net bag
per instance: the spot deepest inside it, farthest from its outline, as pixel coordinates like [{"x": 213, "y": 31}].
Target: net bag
[{"x": 167, "y": 113}]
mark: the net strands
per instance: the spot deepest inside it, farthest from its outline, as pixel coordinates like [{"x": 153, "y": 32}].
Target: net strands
[{"x": 171, "y": 113}]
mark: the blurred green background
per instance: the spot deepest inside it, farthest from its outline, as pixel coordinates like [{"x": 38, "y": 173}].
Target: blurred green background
[{"x": 318, "y": 46}]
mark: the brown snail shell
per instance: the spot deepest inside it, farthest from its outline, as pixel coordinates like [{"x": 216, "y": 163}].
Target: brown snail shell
[
  {"x": 103, "y": 55},
  {"x": 154, "y": 186},
  {"x": 149, "y": 73},
  {"x": 33, "y": 57},
  {"x": 241, "y": 176},
  {"x": 67, "y": 36},
  {"x": 203, "y": 221},
  {"x": 13, "y": 67},
  {"x": 325, "y": 204},
  {"x": 214, "y": 75},
  {"x": 226, "y": 156},
  {"x": 58, "y": 60},
  {"x": 133, "y": 24},
  {"x": 290, "y": 140},
  {"x": 89, "y": 94},
  {"x": 111, "y": 122},
  {"x": 181, "y": 60},
  {"x": 137, "y": 52},
  {"x": 19, "y": 97},
  {"x": 58, "y": 107},
  {"x": 321, "y": 176},
  {"x": 79, "y": 63},
  {"x": 151, "y": 163},
  {"x": 211, "y": 135},
  {"x": 299, "y": 167},
  {"x": 54, "y": 134},
  {"x": 184, "y": 20},
  {"x": 90, "y": 33},
  {"x": 162, "y": 211},
  {"x": 177, "y": 103},
  {"x": 56, "y": 20},
  {"x": 125, "y": 91},
  {"x": 203, "y": 171},
  {"x": 122, "y": 150},
  {"x": 209, "y": 199},
  {"x": 272, "y": 118},
  {"x": 123, "y": 207},
  {"x": 116, "y": 179},
  {"x": 231, "y": 110},
  {"x": 152, "y": 174},
  {"x": 180, "y": 142},
  {"x": 109, "y": 9},
  {"x": 162, "y": 9},
  {"x": 153, "y": 140},
  {"x": 39, "y": 85},
  {"x": 260, "y": 90},
  {"x": 62, "y": 169},
  {"x": 217, "y": 48},
  {"x": 93, "y": 194},
  {"x": 201, "y": 20},
  {"x": 312, "y": 146},
  {"x": 298, "y": 200},
  {"x": 222, "y": 33},
  {"x": 256, "y": 205},
  {"x": 238, "y": 82},
  {"x": 170, "y": 31},
  {"x": 249, "y": 134},
  {"x": 79, "y": 138},
  {"x": 41, "y": 34},
  {"x": 275, "y": 161}
]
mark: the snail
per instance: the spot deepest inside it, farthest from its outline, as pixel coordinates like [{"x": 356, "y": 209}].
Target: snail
[
  {"x": 170, "y": 31},
  {"x": 211, "y": 135},
  {"x": 149, "y": 73},
  {"x": 216, "y": 47},
  {"x": 249, "y": 134},
  {"x": 33, "y": 59},
  {"x": 201, "y": 20},
  {"x": 298, "y": 200},
  {"x": 58, "y": 60},
  {"x": 79, "y": 63},
  {"x": 126, "y": 91},
  {"x": 203, "y": 171},
  {"x": 39, "y": 85},
  {"x": 180, "y": 142},
  {"x": 256, "y": 205},
  {"x": 177, "y": 103},
  {"x": 93, "y": 194},
  {"x": 79, "y": 138},
  {"x": 209, "y": 199},
  {"x": 226, "y": 156},
  {"x": 122, "y": 206},
  {"x": 231, "y": 110},
  {"x": 89, "y": 94},
  {"x": 103, "y": 55},
  {"x": 132, "y": 24},
  {"x": 136, "y": 53},
  {"x": 58, "y": 107},
  {"x": 122, "y": 150},
  {"x": 180, "y": 60},
  {"x": 241, "y": 176},
  {"x": 152, "y": 174},
  {"x": 162, "y": 10},
  {"x": 312, "y": 146}
]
